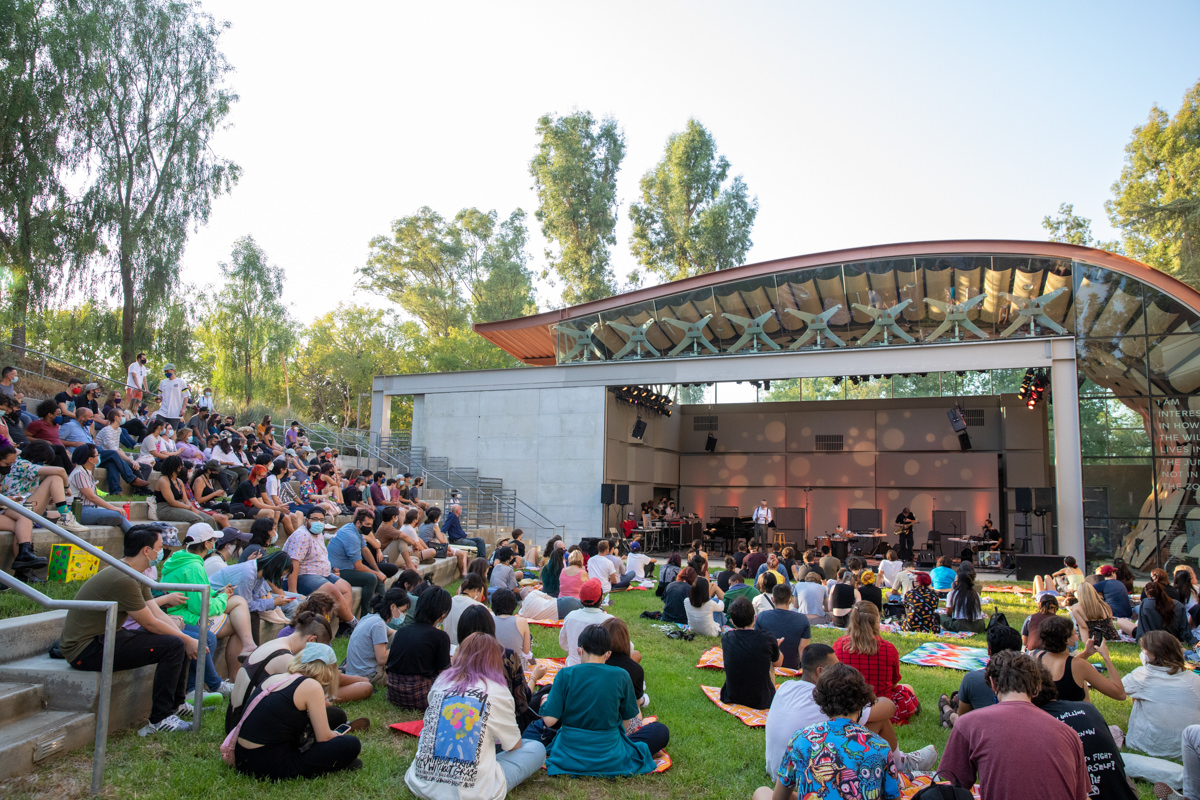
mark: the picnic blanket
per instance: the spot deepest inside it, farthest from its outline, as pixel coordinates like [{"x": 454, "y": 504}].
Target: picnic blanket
[
  {"x": 662, "y": 762},
  {"x": 546, "y": 623},
  {"x": 413, "y": 728},
  {"x": 1008, "y": 588},
  {"x": 891, "y": 627},
  {"x": 753, "y": 717},
  {"x": 910, "y": 786},
  {"x": 951, "y": 656},
  {"x": 714, "y": 658},
  {"x": 552, "y": 665}
]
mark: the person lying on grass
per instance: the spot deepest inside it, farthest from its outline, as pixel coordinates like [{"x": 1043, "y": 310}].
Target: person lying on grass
[
  {"x": 837, "y": 758},
  {"x": 794, "y": 709},
  {"x": 587, "y": 713}
]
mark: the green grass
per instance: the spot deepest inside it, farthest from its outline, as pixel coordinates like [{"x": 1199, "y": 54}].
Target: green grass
[{"x": 714, "y": 754}]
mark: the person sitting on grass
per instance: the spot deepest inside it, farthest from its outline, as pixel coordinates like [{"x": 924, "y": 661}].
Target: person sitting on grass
[
  {"x": 1073, "y": 673},
  {"x": 1166, "y": 697},
  {"x": 504, "y": 576},
  {"x": 809, "y": 594},
  {"x": 737, "y": 588},
  {"x": 511, "y": 631},
  {"x": 640, "y": 564},
  {"x": 471, "y": 592},
  {"x": 309, "y": 624},
  {"x": 964, "y": 611},
  {"x": 590, "y": 595},
  {"x": 675, "y": 597},
  {"x": 158, "y": 641},
  {"x": 624, "y": 656},
  {"x": 269, "y": 742},
  {"x": 587, "y": 713},
  {"x": 836, "y": 758},
  {"x": 920, "y": 606},
  {"x": 794, "y": 709},
  {"x": 367, "y": 651},
  {"x": 1101, "y": 752},
  {"x": 789, "y": 627},
  {"x": 229, "y": 614},
  {"x": 1066, "y": 580},
  {"x": 750, "y": 659},
  {"x": 877, "y": 659},
  {"x": 974, "y": 692},
  {"x": 1093, "y": 615},
  {"x": 477, "y": 619},
  {"x": 419, "y": 652},
  {"x": 774, "y": 567},
  {"x": 942, "y": 576},
  {"x": 842, "y": 597},
  {"x": 485, "y": 757},
  {"x": 1014, "y": 749},
  {"x": 601, "y": 568},
  {"x": 1031, "y": 635},
  {"x": 552, "y": 567},
  {"x": 766, "y": 585},
  {"x": 705, "y": 608},
  {"x": 1160, "y": 611}
]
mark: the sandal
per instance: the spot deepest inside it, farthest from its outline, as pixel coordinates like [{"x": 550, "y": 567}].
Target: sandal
[{"x": 944, "y": 710}]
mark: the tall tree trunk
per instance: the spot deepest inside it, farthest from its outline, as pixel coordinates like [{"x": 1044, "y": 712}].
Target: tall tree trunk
[
  {"x": 249, "y": 377},
  {"x": 20, "y": 309},
  {"x": 128, "y": 305}
]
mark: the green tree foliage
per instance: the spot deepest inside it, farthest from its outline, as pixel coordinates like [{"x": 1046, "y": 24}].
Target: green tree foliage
[
  {"x": 37, "y": 85},
  {"x": 249, "y": 331},
  {"x": 1070, "y": 228},
  {"x": 575, "y": 175},
  {"x": 1156, "y": 201},
  {"x": 154, "y": 97},
  {"x": 686, "y": 223},
  {"x": 343, "y": 352}
]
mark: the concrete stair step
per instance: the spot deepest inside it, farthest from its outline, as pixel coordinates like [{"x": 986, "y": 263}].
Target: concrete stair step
[
  {"x": 19, "y": 700},
  {"x": 40, "y": 736},
  {"x": 69, "y": 689},
  {"x": 30, "y": 635}
]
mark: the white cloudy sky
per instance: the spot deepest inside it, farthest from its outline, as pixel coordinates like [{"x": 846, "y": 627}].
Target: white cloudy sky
[{"x": 853, "y": 123}]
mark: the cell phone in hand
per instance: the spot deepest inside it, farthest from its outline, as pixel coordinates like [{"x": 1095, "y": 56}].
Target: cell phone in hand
[
  {"x": 1097, "y": 640},
  {"x": 342, "y": 729}
]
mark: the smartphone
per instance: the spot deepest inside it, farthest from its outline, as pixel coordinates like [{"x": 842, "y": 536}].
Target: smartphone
[
  {"x": 342, "y": 729},
  {"x": 1097, "y": 640}
]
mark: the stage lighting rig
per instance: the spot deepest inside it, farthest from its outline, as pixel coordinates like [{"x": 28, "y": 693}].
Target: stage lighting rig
[
  {"x": 644, "y": 398},
  {"x": 1037, "y": 389}
]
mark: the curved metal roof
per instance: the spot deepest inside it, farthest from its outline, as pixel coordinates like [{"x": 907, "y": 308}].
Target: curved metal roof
[{"x": 866, "y": 281}]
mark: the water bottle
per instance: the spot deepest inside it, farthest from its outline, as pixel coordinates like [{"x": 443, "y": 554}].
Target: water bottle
[
  {"x": 125, "y": 508},
  {"x": 77, "y": 508}
]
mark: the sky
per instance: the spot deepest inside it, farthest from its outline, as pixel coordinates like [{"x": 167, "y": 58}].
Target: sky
[{"x": 852, "y": 123}]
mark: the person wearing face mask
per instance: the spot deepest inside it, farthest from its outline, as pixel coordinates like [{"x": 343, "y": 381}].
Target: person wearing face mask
[
  {"x": 159, "y": 641},
  {"x": 94, "y": 510},
  {"x": 258, "y": 581},
  {"x": 311, "y": 570},
  {"x": 175, "y": 394},
  {"x": 229, "y": 616},
  {"x": 13, "y": 421},
  {"x": 205, "y": 401},
  {"x": 135, "y": 378},
  {"x": 227, "y": 549},
  {"x": 367, "y": 651},
  {"x": 24, "y": 559},
  {"x": 69, "y": 399},
  {"x": 350, "y": 555}
]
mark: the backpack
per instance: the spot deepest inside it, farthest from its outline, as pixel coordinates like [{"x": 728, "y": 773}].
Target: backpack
[
  {"x": 997, "y": 618},
  {"x": 943, "y": 791},
  {"x": 227, "y": 746}
]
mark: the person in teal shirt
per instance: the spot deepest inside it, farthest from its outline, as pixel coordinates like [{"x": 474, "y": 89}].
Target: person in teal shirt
[
  {"x": 942, "y": 575},
  {"x": 586, "y": 715}
]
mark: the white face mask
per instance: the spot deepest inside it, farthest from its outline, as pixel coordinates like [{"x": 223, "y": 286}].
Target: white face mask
[
  {"x": 274, "y": 536},
  {"x": 1145, "y": 658}
]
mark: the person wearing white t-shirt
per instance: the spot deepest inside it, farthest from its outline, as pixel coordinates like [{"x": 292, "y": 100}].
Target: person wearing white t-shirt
[
  {"x": 175, "y": 394},
  {"x": 573, "y": 624},
  {"x": 889, "y": 568},
  {"x": 135, "y": 378},
  {"x": 640, "y": 564},
  {"x": 762, "y": 518},
  {"x": 794, "y": 709},
  {"x": 602, "y": 568}
]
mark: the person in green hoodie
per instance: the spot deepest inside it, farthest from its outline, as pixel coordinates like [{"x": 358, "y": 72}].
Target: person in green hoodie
[{"x": 228, "y": 613}]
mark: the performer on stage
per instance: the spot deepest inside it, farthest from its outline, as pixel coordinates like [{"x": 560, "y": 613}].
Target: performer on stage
[
  {"x": 904, "y": 526},
  {"x": 762, "y": 518},
  {"x": 991, "y": 535}
]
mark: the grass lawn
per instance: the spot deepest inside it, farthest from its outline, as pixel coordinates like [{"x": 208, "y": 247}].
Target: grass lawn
[{"x": 714, "y": 754}]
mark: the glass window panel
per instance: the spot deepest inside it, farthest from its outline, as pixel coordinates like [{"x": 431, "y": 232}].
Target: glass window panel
[
  {"x": 576, "y": 340},
  {"x": 1174, "y": 364},
  {"x": 928, "y": 385},
  {"x": 823, "y": 389},
  {"x": 680, "y": 317},
  {"x": 1107, "y": 304}
]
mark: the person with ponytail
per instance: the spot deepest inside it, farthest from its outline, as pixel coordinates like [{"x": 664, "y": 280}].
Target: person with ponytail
[
  {"x": 470, "y": 715},
  {"x": 1161, "y": 612},
  {"x": 877, "y": 659},
  {"x": 964, "y": 611},
  {"x": 367, "y": 651}
]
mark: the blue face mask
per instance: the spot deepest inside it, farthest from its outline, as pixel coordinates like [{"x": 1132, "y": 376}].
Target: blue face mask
[
  {"x": 167, "y": 373},
  {"x": 316, "y": 527},
  {"x": 159, "y": 556},
  {"x": 394, "y": 624}
]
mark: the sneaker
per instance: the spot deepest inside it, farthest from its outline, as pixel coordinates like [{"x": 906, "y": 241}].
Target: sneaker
[
  {"x": 171, "y": 724},
  {"x": 68, "y": 523},
  {"x": 211, "y": 700},
  {"x": 923, "y": 760},
  {"x": 1164, "y": 792},
  {"x": 225, "y": 690}
]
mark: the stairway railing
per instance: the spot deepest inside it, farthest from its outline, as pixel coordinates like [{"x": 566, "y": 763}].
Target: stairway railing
[
  {"x": 46, "y": 358},
  {"x": 110, "y": 628}
]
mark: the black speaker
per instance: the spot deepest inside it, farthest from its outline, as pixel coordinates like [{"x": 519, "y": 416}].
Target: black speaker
[
  {"x": 1024, "y": 497},
  {"x": 1043, "y": 500},
  {"x": 639, "y": 429},
  {"x": 1030, "y": 566},
  {"x": 711, "y": 444},
  {"x": 607, "y": 494},
  {"x": 622, "y": 494}
]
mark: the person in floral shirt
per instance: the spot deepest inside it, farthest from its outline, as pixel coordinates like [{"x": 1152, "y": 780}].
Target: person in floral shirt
[
  {"x": 920, "y": 606},
  {"x": 838, "y": 759},
  {"x": 31, "y": 480}
]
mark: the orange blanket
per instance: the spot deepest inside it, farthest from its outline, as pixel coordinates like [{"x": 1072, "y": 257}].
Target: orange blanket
[
  {"x": 755, "y": 718},
  {"x": 714, "y": 658}
]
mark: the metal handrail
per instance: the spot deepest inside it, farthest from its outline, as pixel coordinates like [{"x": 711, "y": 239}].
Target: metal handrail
[
  {"x": 205, "y": 591},
  {"x": 109, "y": 607},
  {"x": 76, "y": 367}
]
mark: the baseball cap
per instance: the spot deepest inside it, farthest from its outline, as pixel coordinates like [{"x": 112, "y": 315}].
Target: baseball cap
[
  {"x": 291, "y": 451},
  {"x": 200, "y": 532},
  {"x": 327, "y": 450},
  {"x": 89, "y": 387},
  {"x": 635, "y": 546},
  {"x": 168, "y": 366},
  {"x": 591, "y": 591},
  {"x": 212, "y": 465},
  {"x": 315, "y": 651},
  {"x": 230, "y": 535}
]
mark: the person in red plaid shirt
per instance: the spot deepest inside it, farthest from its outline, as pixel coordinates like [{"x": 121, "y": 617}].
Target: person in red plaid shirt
[{"x": 877, "y": 659}]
